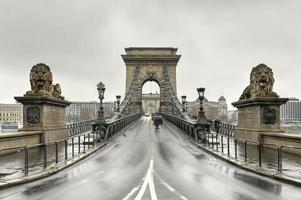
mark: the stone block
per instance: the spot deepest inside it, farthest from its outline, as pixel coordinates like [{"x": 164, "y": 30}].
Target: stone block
[
  {"x": 258, "y": 115},
  {"x": 46, "y": 115}
]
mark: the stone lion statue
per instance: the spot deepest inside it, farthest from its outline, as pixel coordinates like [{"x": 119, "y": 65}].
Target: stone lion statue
[
  {"x": 261, "y": 83},
  {"x": 41, "y": 83}
]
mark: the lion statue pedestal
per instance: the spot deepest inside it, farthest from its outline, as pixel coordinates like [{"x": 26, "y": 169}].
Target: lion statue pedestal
[
  {"x": 44, "y": 106},
  {"x": 258, "y": 107},
  {"x": 258, "y": 115}
]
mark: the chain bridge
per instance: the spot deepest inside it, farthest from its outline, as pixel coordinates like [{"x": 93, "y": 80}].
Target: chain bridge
[{"x": 127, "y": 157}]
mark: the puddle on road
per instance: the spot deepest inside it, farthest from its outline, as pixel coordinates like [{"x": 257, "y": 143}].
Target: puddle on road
[
  {"x": 165, "y": 153},
  {"x": 199, "y": 156},
  {"x": 258, "y": 182},
  {"x": 45, "y": 186},
  {"x": 240, "y": 196},
  {"x": 101, "y": 159}
]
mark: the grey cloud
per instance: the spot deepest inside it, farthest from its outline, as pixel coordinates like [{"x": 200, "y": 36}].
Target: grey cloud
[{"x": 220, "y": 41}]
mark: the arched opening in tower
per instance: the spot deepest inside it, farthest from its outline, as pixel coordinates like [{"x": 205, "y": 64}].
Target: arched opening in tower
[{"x": 150, "y": 97}]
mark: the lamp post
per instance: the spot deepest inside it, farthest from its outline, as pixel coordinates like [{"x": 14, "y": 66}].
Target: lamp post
[
  {"x": 201, "y": 116},
  {"x": 101, "y": 91},
  {"x": 184, "y": 103},
  {"x": 118, "y": 102}
]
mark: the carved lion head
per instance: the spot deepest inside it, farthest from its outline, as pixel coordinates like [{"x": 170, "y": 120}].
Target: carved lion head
[
  {"x": 41, "y": 78},
  {"x": 261, "y": 81}
]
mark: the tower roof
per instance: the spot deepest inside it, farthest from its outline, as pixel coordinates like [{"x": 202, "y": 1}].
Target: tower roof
[
  {"x": 151, "y": 56},
  {"x": 222, "y": 98}
]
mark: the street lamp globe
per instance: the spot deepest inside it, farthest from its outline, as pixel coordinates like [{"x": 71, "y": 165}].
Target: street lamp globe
[
  {"x": 183, "y": 99},
  {"x": 118, "y": 97},
  {"x": 201, "y": 92},
  {"x": 118, "y": 102},
  {"x": 184, "y": 103},
  {"x": 101, "y": 90}
]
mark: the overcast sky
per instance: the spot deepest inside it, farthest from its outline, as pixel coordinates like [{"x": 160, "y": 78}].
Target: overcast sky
[{"x": 81, "y": 40}]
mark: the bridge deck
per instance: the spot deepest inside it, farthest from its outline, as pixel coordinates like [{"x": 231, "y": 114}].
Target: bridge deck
[{"x": 143, "y": 163}]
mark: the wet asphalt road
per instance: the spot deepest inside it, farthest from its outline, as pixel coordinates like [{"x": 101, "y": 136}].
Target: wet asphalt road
[{"x": 143, "y": 163}]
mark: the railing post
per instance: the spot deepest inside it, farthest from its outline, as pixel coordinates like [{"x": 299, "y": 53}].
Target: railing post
[
  {"x": 26, "y": 160},
  {"x": 56, "y": 152},
  {"x": 216, "y": 139},
  {"x": 45, "y": 156},
  {"x": 228, "y": 145},
  {"x": 84, "y": 142},
  {"x": 259, "y": 153},
  {"x": 78, "y": 144},
  {"x": 235, "y": 148},
  {"x": 212, "y": 140},
  {"x": 93, "y": 137},
  {"x": 246, "y": 155},
  {"x": 72, "y": 141},
  {"x": 66, "y": 149},
  {"x": 279, "y": 159},
  {"x": 222, "y": 142}
]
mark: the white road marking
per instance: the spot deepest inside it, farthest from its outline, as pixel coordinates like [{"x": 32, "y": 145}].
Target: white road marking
[
  {"x": 148, "y": 181},
  {"x": 183, "y": 198},
  {"x": 84, "y": 181},
  {"x": 131, "y": 193},
  {"x": 170, "y": 188},
  {"x": 151, "y": 183}
]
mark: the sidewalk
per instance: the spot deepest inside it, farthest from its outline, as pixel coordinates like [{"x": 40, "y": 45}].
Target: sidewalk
[
  {"x": 12, "y": 165},
  {"x": 291, "y": 163}
]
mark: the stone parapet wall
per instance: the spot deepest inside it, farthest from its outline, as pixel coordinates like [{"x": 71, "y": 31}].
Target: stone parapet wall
[
  {"x": 283, "y": 140},
  {"x": 20, "y": 139}
]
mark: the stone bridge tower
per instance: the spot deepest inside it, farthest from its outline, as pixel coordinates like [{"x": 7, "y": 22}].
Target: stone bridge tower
[{"x": 145, "y": 64}]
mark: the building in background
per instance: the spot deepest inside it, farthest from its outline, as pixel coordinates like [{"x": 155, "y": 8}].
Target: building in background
[
  {"x": 213, "y": 109},
  {"x": 291, "y": 111},
  {"x": 222, "y": 109},
  {"x": 11, "y": 117},
  {"x": 150, "y": 103},
  {"x": 109, "y": 108},
  {"x": 82, "y": 111},
  {"x": 233, "y": 116},
  {"x": 11, "y": 113}
]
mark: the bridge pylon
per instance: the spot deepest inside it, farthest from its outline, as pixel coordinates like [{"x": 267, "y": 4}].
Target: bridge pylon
[{"x": 156, "y": 64}]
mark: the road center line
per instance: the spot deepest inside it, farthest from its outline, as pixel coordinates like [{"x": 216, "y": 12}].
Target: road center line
[
  {"x": 131, "y": 193},
  {"x": 170, "y": 188},
  {"x": 149, "y": 180}
]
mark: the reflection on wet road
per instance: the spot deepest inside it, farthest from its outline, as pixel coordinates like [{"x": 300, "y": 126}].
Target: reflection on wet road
[{"x": 143, "y": 163}]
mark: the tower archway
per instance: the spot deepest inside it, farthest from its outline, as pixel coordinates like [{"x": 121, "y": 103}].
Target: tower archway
[
  {"x": 145, "y": 64},
  {"x": 150, "y": 97}
]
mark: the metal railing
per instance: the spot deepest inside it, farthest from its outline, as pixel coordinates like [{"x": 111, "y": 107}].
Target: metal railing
[
  {"x": 82, "y": 142},
  {"x": 224, "y": 141},
  {"x": 81, "y": 139},
  {"x": 115, "y": 126},
  {"x": 222, "y": 127},
  {"x": 80, "y": 127},
  {"x": 188, "y": 127}
]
